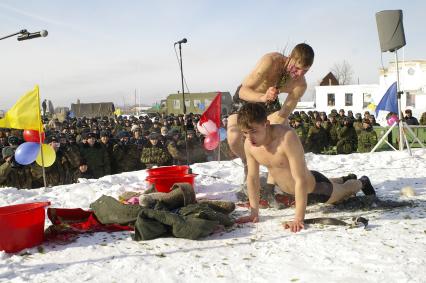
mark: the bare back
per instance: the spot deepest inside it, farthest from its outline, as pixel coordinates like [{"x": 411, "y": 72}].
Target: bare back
[{"x": 269, "y": 72}]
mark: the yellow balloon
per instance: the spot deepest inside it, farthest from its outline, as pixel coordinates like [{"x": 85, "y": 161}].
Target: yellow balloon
[
  {"x": 49, "y": 155},
  {"x": 371, "y": 106}
]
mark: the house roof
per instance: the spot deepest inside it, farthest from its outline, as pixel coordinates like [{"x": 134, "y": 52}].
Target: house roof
[{"x": 329, "y": 79}]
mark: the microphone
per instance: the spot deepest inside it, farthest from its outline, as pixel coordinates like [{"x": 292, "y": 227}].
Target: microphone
[
  {"x": 32, "y": 35},
  {"x": 181, "y": 41}
]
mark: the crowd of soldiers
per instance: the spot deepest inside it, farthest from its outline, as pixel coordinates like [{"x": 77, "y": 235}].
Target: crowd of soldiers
[
  {"x": 340, "y": 132},
  {"x": 95, "y": 147}
]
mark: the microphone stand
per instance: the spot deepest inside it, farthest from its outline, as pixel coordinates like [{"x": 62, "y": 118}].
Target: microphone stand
[
  {"x": 184, "y": 105},
  {"x": 24, "y": 31}
]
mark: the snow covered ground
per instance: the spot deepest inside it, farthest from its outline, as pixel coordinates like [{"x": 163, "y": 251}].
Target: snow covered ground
[{"x": 391, "y": 249}]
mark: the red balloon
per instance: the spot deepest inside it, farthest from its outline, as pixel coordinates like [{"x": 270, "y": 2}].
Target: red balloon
[
  {"x": 211, "y": 141},
  {"x": 33, "y": 136}
]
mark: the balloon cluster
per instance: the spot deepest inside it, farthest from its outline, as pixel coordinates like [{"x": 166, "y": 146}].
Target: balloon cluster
[
  {"x": 213, "y": 135},
  {"x": 30, "y": 151},
  {"x": 392, "y": 120}
]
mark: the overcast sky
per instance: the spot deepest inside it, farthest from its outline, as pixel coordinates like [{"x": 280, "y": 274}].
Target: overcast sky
[{"x": 101, "y": 51}]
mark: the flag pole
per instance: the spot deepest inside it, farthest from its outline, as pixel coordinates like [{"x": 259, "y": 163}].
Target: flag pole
[
  {"x": 218, "y": 155},
  {"x": 39, "y": 136}
]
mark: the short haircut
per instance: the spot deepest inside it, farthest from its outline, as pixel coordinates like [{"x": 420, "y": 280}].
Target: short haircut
[
  {"x": 304, "y": 54},
  {"x": 251, "y": 113}
]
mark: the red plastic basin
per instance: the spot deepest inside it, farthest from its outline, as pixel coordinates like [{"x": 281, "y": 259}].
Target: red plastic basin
[
  {"x": 164, "y": 183},
  {"x": 176, "y": 169},
  {"x": 22, "y": 226}
]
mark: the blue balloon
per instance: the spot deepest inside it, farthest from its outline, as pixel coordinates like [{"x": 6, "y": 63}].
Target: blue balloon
[
  {"x": 71, "y": 114},
  {"x": 201, "y": 106},
  {"x": 27, "y": 153},
  {"x": 222, "y": 134}
]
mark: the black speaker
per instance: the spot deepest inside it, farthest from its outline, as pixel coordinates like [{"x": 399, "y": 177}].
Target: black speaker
[{"x": 391, "y": 30}]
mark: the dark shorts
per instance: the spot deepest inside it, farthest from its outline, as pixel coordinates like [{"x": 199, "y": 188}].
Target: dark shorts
[
  {"x": 237, "y": 103},
  {"x": 323, "y": 189}
]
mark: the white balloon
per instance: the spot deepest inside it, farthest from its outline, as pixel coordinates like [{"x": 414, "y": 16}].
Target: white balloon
[
  {"x": 207, "y": 127},
  {"x": 201, "y": 129}
]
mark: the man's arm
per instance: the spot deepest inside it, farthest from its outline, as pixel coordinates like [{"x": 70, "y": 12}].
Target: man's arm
[
  {"x": 289, "y": 104},
  {"x": 253, "y": 187},
  {"x": 298, "y": 169},
  {"x": 256, "y": 78}
]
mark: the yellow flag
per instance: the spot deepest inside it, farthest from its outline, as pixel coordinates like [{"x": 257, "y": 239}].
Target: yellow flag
[
  {"x": 117, "y": 112},
  {"x": 25, "y": 114}
]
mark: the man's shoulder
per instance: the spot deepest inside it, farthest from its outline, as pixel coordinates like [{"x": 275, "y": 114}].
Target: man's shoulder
[
  {"x": 283, "y": 131},
  {"x": 272, "y": 56},
  {"x": 286, "y": 135}
]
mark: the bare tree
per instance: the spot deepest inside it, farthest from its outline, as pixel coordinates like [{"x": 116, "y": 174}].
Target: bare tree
[{"x": 343, "y": 72}]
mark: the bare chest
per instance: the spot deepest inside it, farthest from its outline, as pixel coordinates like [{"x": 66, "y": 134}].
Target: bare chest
[{"x": 270, "y": 158}]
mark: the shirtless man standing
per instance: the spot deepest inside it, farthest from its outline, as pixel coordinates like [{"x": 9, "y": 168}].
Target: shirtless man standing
[
  {"x": 279, "y": 149},
  {"x": 273, "y": 74}
]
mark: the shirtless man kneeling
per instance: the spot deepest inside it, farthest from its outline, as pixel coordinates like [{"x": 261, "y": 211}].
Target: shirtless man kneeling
[{"x": 278, "y": 147}]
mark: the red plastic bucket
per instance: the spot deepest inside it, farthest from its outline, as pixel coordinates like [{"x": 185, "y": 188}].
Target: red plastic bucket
[
  {"x": 176, "y": 169},
  {"x": 164, "y": 183},
  {"x": 22, "y": 226}
]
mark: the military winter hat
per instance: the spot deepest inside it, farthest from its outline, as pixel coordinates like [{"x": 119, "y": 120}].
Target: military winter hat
[
  {"x": 13, "y": 140},
  {"x": 104, "y": 134},
  {"x": 154, "y": 136},
  {"x": 50, "y": 139},
  {"x": 123, "y": 134},
  {"x": 173, "y": 132},
  {"x": 7, "y": 152},
  {"x": 83, "y": 162}
]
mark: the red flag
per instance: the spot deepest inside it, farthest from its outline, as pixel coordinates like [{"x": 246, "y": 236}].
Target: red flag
[{"x": 213, "y": 112}]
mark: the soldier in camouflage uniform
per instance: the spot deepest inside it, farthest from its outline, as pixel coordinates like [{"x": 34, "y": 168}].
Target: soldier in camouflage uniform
[
  {"x": 326, "y": 124},
  {"x": 373, "y": 121},
  {"x": 367, "y": 138},
  {"x": 341, "y": 116},
  {"x": 422, "y": 121},
  {"x": 347, "y": 138},
  {"x": 317, "y": 138},
  {"x": 156, "y": 127},
  {"x": 154, "y": 154},
  {"x": 177, "y": 125},
  {"x": 107, "y": 143},
  {"x": 196, "y": 150},
  {"x": 3, "y": 144},
  {"x": 334, "y": 129},
  {"x": 125, "y": 156},
  {"x": 358, "y": 123},
  {"x": 70, "y": 157},
  {"x": 13, "y": 174},
  {"x": 82, "y": 171},
  {"x": 177, "y": 152},
  {"x": 96, "y": 156},
  {"x": 55, "y": 174},
  {"x": 307, "y": 121},
  {"x": 300, "y": 131}
]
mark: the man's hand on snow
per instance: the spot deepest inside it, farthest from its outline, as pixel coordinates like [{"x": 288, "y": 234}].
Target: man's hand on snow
[
  {"x": 294, "y": 226},
  {"x": 253, "y": 217}
]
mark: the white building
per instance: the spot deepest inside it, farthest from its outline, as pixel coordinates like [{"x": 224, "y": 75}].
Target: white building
[{"x": 412, "y": 78}]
